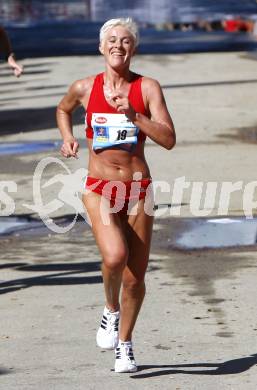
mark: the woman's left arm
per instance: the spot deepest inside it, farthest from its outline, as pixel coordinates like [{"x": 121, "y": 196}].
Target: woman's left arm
[{"x": 160, "y": 127}]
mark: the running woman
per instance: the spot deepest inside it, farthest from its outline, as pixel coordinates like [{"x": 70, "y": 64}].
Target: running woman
[
  {"x": 122, "y": 109},
  {"x": 5, "y": 46}
]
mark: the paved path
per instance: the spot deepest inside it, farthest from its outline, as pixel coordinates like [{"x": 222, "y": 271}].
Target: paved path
[{"x": 197, "y": 328}]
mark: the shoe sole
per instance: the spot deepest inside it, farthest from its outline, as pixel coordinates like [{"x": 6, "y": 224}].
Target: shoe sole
[
  {"x": 124, "y": 371},
  {"x": 106, "y": 348}
]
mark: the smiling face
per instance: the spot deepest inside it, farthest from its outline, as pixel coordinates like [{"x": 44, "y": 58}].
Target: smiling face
[{"x": 117, "y": 46}]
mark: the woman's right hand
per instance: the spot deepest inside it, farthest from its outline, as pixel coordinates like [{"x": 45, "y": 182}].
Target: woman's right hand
[
  {"x": 17, "y": 69},
  {"x": 70, "y": 148}
]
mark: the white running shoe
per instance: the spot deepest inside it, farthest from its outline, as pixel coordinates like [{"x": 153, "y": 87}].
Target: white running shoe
[
  {"x": 125, "y": 361},
  {"x": 107, "y": 336}
]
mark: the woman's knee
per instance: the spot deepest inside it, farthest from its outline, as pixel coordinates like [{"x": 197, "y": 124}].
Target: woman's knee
[
  {"x": 116, "y": 259},
  {"x": 133, "y": 285}
]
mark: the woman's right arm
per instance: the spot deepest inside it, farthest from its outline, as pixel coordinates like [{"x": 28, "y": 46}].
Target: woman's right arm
[{"x": 67, "y": 105}]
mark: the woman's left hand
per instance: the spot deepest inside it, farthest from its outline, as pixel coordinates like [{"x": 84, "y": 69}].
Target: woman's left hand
[{"x": 123, "y": 105}]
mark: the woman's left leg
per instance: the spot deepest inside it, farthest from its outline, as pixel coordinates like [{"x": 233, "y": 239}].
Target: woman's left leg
[{"x": 139, "y": 232}]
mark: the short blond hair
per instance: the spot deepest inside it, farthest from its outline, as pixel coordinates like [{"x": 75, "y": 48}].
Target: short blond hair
[{"x": 128, "y": 23}]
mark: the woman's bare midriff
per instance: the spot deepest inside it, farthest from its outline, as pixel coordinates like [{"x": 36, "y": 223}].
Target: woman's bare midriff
[{"x": 117, "y": 164}]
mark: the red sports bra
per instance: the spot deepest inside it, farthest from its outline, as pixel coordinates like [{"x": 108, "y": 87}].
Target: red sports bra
[{"x": 98, "y": 104}]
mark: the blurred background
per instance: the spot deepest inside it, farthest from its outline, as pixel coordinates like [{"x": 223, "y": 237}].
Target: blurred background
[{"x": 63, "y": 27}]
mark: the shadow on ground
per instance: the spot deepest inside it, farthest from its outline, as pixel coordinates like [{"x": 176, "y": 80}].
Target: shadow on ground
[
  {"x": 209, "y": 84},
  {"x": 60, "y": 275},
  {"x": 242, "y": 134},
  {"x": 5, "y": 371},
  {"x": 32, "y": 119},
  {"x": 229, "y": 367}
]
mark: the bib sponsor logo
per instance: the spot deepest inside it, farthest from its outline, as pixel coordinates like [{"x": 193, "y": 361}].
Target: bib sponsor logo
[{"x": 101, "y": 119}]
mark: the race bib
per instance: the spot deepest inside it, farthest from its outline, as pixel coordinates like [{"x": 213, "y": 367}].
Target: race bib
[{"x": 112, "y": 130}]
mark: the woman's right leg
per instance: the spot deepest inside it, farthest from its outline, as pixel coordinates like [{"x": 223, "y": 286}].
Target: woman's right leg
[{"x": 112, "y": 246}]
